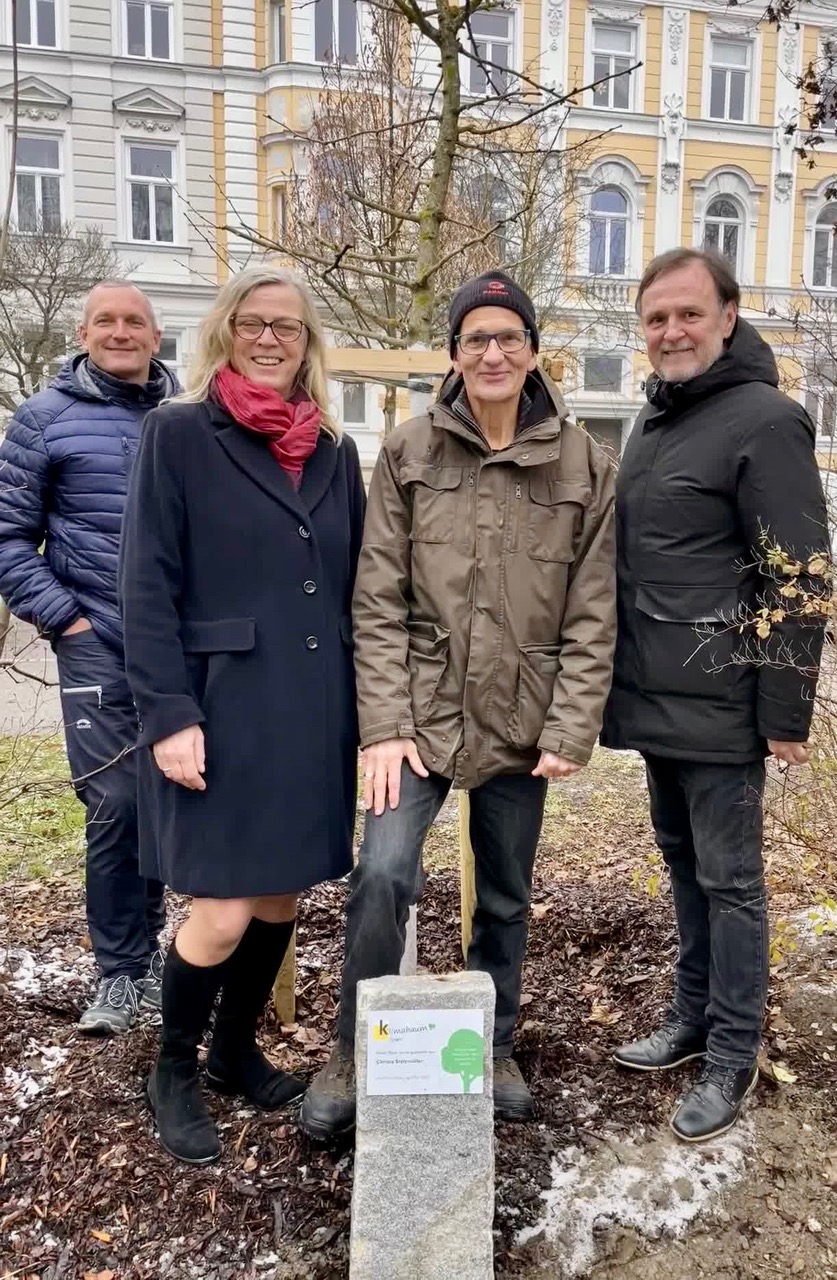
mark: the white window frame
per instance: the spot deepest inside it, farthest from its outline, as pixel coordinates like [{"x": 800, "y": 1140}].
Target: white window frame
[
  {"x": 278, "y": 32},
  {"x": 335, "y": 28},
  {"x": 350, "y": 423},
  {"x": 738, "y": 222},
  {"x": 59, "y": 173},
  {"x": 174, "y": 33},
  {"x": 602, "y": 393},
  {"x": 737, "y": 185},
  {"x": 125, "y": 179},
  {"x": 751, "y": 96},
  {"x": 469, "y": 67},
  {"x": 175, "y": 336},
  {"x": 831, "y": 252},
  {"x": 611, "y": 218},
  {"x": 614, "y": 171},
  {"x": 33, "y": 24},
  {"x": 636, "y": 82}
]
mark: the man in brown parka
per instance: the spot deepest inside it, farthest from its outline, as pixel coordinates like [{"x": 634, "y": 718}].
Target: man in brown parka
[{"x": 484, "y": 624}]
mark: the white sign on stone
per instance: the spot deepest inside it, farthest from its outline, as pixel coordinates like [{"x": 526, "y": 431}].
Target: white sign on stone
[
  {"x": 423, "y": 1197},
  {"x": 425, "y": 1051}
]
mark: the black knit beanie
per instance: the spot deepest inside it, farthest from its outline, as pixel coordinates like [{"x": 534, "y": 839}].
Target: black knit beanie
[{"x": 493, "y": 289}]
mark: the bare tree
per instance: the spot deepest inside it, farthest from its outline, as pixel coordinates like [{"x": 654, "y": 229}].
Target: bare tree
[
  {"x": 43, "y": 277},
  {"x": 406, "y": 184}
]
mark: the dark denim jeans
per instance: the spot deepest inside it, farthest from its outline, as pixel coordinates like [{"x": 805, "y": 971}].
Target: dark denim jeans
[
  {"x": 125, "y": 912},
  {"x": 708, "y": 823},
  {"x": 506, "y": 818}
]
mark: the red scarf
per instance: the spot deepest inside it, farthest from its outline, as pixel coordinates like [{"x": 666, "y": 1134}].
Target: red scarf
[{"x": 292, "y": 429}]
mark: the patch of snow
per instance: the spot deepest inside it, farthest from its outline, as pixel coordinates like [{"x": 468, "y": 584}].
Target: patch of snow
[
  {"x": 30, "y": 974},
  {"x": 656, "y": 1187},
  {"x": 24, "y": 1086}
]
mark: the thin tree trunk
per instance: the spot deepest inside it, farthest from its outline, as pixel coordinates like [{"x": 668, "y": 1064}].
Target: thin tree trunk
[{"x": 390, "y": 397}]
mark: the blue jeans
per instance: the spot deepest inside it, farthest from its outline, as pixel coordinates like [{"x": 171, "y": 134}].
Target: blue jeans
[
  {"x": 125, "y": 912},
  {"x": 708, "y": 823},
  {"x": 505, "y": 826}
]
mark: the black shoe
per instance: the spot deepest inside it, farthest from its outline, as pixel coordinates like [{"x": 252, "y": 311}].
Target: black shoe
[
  {"x": 328, "y": 1108},
  {"x": 184, "y": 1126},
  {"x": 114, "y": 1008},
  {"x": 673, "y": 1044},
  {"x": 235, "y": 1065},
  {"x": 714, "y": 1104},
  {"x": 512, "y": 1099},
  {"x": 254, "y": 1078}
]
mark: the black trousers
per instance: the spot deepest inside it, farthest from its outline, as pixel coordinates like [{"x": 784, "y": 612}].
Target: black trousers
[
  {"x": 708, "y": 823},
  {"x": 505, "y": 826},
  {"x": 125, "y": 912}
]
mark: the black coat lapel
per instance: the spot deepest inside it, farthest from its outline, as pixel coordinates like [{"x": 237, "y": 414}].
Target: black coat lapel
[{"x": 318, "y": 472}]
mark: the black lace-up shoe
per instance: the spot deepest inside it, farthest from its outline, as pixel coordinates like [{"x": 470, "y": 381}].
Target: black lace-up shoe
[
  {"x": 673, "y": 1044},
  {"x": 714, "y": 1104},
  {"x": 328, "y": 1108}
]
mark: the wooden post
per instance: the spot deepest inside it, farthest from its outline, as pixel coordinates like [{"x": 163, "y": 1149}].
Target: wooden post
[
  {"x": 284, "y": 989},
  {"x": 467, "y": 880}
]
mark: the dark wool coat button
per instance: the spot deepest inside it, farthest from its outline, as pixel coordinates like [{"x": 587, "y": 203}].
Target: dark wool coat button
[
  {"x": 312, "y": 643},
  {"x": 303, "y": 532},
  {"x": 309, "y": 587}
]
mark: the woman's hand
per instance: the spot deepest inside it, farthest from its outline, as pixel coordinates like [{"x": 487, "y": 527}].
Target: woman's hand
[{"x": 181, "y": 757}]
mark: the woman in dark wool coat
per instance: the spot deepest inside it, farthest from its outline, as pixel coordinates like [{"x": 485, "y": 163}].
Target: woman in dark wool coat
[{"x": 238, "y": 561}]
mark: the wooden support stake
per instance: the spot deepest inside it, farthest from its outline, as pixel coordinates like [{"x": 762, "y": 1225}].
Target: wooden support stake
[
  {"x": 467, "y": 879},
  {"x": 284, "y": 988}
]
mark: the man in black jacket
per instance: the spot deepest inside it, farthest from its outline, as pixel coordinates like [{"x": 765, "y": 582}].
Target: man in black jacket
[{"x": 719, "y": 462}]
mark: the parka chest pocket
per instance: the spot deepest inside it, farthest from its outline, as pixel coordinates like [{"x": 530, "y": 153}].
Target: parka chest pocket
[
  {"x": 556, "y": 513},
  {"x": 435, "y": 494}
]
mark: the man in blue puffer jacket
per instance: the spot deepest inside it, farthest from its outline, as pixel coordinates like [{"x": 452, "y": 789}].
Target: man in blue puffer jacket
[{"x": 64, "y": 469}]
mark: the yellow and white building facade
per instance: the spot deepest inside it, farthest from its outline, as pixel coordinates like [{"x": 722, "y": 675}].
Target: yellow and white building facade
[{"x": 697, "y": 146}]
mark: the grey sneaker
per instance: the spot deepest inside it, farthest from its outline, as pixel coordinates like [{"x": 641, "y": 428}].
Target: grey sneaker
[
  {"x": 151, "y": 986},
  {"x": 114, "y": 1008}
]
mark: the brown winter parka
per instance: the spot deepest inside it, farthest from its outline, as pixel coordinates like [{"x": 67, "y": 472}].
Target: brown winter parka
[{"x": 484, "y": 607}]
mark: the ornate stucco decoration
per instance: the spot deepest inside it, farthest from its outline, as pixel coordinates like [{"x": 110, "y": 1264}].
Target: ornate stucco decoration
[{"x": 676, "y": 33}]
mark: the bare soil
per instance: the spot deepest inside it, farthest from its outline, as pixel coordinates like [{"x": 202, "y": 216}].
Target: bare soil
[{"x": 596, "y": 1187}]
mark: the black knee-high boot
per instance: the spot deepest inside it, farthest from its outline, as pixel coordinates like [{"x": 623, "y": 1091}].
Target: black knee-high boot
[
  {"x": 183, "y": 1124},
  {"x": 235, "y": 1064}
]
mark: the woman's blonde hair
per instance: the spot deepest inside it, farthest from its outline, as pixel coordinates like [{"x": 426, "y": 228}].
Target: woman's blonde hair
[{"x": 215, "y": 339}]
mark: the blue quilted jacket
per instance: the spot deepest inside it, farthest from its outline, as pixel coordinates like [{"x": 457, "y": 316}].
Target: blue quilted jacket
[{"x": 64, "y": 468}]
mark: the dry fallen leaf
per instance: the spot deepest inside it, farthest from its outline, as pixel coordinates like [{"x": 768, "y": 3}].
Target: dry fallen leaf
[
  {"x": 603, "y": 1016},
  {"x": 102, "y": 1235},
  {"x": 783, "y": 1075},
  {"x": 250, "y": 1164},
  {"x": 814, "y": 1227}
]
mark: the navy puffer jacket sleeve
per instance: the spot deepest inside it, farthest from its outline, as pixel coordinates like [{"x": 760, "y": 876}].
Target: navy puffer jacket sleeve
[{"x": 27, "y": 582}]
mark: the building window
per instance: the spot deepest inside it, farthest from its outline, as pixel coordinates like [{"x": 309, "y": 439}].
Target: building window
[
  {"x": 169, "y": 351},
  {"x": 825, "y": 259},
  {"x": 38, "y": 183},
  {"x": 608, "y": 232},
  {"x": 821, "y": 397},
  {"x": 335, "y": 31},
  {"x": 354, "y": 403},
  {"x": 492, "y": 37},
  {"x": 729, "y": 78},
  {"x": 148, "y": 30},
  {"x": 35, "y": 23},
  {"x": 151, "y": 193},
  {"x": 614, "y": 52},
  {"x": 607, "y": 432},
  {"x": 603, "y": 374},
  {"x": 277, "y": 31},
  {"x": 279, "y": 213},
  {"x": 722, "y": 230}
]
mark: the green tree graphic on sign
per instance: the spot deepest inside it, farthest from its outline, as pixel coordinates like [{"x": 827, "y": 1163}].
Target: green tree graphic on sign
[{"x": 462, "y": 1056}]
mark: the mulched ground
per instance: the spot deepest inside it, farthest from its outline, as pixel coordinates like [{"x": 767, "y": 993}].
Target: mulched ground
[{"x": 86, "y": 1192}]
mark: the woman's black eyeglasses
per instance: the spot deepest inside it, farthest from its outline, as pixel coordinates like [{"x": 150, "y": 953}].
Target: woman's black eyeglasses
[{"x": 284, "y": 330}]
